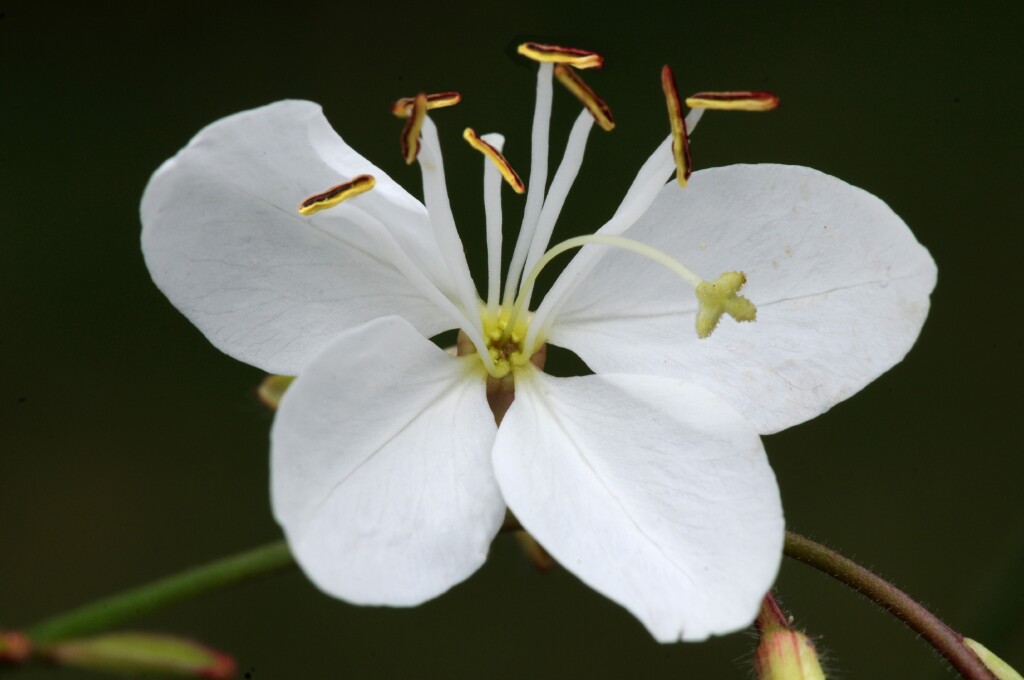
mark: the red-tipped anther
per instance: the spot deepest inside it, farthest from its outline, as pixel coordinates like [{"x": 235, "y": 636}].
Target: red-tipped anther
[
  {"x": 411, "y": 131},
  {"x": 680, "y": 140},
  {"x": 561, "y": 55},
  {"x": 733, "y": 101},
  {"x": 336, "y": 194},
  {"x": 510, "y": 175},
  {"x": 598, "y": 109},
  {"x": 403, "y": 107}
]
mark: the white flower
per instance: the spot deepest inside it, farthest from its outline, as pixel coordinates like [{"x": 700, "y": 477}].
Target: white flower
[{"x": 647, "y": 480}]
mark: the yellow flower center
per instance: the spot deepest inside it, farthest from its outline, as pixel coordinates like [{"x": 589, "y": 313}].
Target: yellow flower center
[{"x": 505, "y": 343}]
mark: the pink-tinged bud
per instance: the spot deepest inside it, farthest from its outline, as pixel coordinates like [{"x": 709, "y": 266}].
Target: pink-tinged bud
[
  {"x": 999, "y": 668},
  {"x": 14, "y": 647},
  {"x": 143, "y": 653},
  {"x": 785, "y": 654}
]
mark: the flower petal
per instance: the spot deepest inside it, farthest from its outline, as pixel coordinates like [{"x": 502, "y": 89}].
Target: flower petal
[
  {"x": 840, "y": 283},
  {"x": 652, "y": 491},
  {"x": 224, "y": 241},
  {"x": 381, "y": 474}
]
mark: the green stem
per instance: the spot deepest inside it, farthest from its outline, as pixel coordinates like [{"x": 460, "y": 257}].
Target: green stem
[
  {"x": 115, "y": 610},
  {"x": 275, "y": 557},
  {"x": 948, "y": 642}
]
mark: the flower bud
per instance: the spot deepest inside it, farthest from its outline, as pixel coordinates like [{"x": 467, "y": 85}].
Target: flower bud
[
  {"x": 15, "y": 647},
  {"x": 272, "y": 389},
  {"x": 143, "y": 653},
  {"x": 540, "y": 558},
  {"x": 785, "y": 654},
  {"x": 999, "y": 668}
]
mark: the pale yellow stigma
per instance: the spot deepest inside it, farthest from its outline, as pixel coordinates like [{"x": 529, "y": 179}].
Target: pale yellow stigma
[
  {"x": 720, "y": 297},
  {"x": 337, "y": 194},
  {"x": 598, "y": 109},
  {"x": 504, "y": 167}
]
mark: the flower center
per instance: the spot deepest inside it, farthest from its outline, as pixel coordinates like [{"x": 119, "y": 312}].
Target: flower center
[{"x": 505, "y": 336}]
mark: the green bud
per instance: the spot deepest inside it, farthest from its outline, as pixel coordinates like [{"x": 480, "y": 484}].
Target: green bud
[
  {"x": 273, "y": 388},
  {"x": 133, "y": 653},
  {"x": 999, "y": 668}
]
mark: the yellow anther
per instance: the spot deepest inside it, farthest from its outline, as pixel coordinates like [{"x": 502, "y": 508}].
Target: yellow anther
[
  {"x": 733, "y": 101},
  {"x": 411, "y": 131},
  {"x": 403, "y": 107},
  {"x": 720, "y": 297},
  {"x": 499, "y": 161},
  {"x": 336, "y": 194},
  {"x": 561, "y": 55},
  {"x": 598, "y": 109},
  {"x": 680, "y": 140}
]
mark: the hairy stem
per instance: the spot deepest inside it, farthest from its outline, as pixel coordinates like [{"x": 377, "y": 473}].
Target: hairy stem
[
  {"x": 947, "y": 641},
  {"x": 275, "y": 557}
]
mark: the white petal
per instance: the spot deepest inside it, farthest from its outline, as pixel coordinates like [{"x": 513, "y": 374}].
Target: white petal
[
  {"x": 381, "y": 472},
  {"x": 652, "y": 491},
  {"x": 224, "y": 241},
  {"x": 840, "y": 283}
]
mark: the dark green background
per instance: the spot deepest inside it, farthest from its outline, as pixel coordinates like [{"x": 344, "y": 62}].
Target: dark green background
[{"x": 131, "y": 448}]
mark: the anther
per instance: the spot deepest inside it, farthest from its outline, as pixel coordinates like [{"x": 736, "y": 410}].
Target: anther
[
  {"x": 561, "y": 55},
  {"x": 403, "y": 107},
  {"x": 680, "y": 140},
  {"x": 598, "y": 109},
  {"x": 411, "y": 131},
  {"x": 337, "y": 194},
  {"x": 499, "y": 161},
  {"x": 733, "y": 101}
]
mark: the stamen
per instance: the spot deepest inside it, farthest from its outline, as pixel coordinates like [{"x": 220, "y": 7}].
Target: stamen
[
  {"x": 733, "y": 101},
  {"x": 680, "y": 140},
  {"x": 602, "y": 114},
  {"x": 503, "y": 165},
  {"x": 572, "y": 159},
  {"x": 561, "y": 55},
  {"x": 538, "y": 180},
  {"x": 492, "y": 216},
  {"x": 435, "y": 196},
  {"x": 403, "y": 107},
  {"x": 336, "y": 194},
  {"x": 411, "y": 131}
]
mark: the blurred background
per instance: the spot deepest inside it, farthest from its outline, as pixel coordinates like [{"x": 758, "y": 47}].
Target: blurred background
[{"x": 130, "y": 448}]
